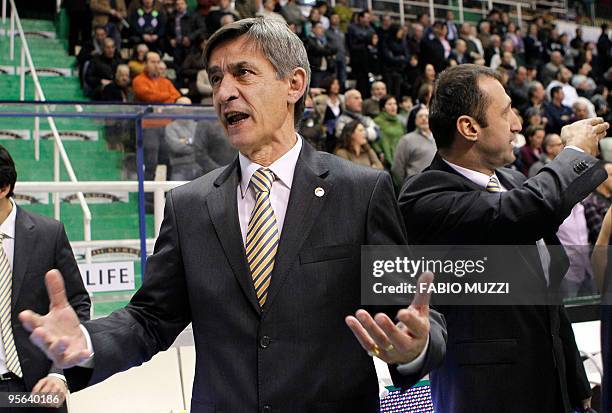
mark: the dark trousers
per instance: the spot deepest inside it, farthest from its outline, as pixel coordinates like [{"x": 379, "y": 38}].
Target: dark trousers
[
  {"x": 17, "y": 385},
  {"x": 80, "y": 27}
]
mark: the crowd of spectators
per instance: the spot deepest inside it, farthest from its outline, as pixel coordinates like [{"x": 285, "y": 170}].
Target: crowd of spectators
[{"x": 370, "y": 74}]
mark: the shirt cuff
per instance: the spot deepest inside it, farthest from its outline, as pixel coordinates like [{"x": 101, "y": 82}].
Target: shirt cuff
[
  {"x": 89, "y": 363},
  {"x": 415, "y": 365},
  {"x": 574, "y": 148},
  {"x": 57, "y": 375}
]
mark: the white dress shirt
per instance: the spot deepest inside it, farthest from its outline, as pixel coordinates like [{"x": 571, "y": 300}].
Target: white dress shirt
[{"x": 283, "y": 168}]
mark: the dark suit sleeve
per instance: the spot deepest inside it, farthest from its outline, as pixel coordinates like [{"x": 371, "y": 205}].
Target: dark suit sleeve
[
  {"x": 152, "y": 320},
  {"x": 386, "y": 227},
  {"x": 578, "y": 386},
  {"x": 538, "y": 206}
]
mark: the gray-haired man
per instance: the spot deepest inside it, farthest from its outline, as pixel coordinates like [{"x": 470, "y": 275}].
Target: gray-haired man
[{"x": 251, "y": 254}]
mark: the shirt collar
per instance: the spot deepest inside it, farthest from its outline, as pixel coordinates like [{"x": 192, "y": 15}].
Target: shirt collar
[
  {"x": 283, "y": 167},
  {"x": 8, "y": 226},
  {"x": 478, "y": 178}
]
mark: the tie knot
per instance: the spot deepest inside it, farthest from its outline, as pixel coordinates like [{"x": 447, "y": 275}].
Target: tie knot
[
  {"x": 493, "y": 185},
  {"x": 262, "y": 180}
]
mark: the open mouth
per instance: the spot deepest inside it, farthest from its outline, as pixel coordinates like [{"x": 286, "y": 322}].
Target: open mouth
[{"x": 235, "y": 118}]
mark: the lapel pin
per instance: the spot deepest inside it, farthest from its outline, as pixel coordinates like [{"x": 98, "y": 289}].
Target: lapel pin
[{"x": 319, "y": 191}]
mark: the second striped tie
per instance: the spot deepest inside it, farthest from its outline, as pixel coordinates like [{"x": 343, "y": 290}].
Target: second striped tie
[
  {"x": 493, "y": 185},
  {"x": 262, "y": 234}
]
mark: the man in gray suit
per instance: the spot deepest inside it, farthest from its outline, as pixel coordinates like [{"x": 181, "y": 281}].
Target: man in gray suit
[{"x": 263, "y": 258}]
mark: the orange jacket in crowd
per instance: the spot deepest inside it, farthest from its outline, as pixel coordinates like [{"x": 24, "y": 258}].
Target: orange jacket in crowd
[{"x": 158, "y": 90}]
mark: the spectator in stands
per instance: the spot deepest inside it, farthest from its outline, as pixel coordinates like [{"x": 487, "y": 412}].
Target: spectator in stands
[
  {"x": 460, "y": 54},
  {"x": 323, "y": 8},
  {"x": 505, "y": 58},
  {"x": 581, "y": 109},
  {"x": 492, "y": 49},
  {"x": 204, "y": 88},
  {"x": 353, "y": 146},
  {"x": 514, "y": 35},
  {"x": 169, "y": 7},
  {"x": 320, "y": 54},
  {"x": 344, "y": 12},
  {"x": 359, "y": 38},
  {"x": 530, "y": 153},
  {"x": 79, "y": 19},
  {"x": 536, "y": 95},
  {"x": 292, "y": 13},
  {"x": 180, "y": 28},
  {"x": 583, "y": 82},
  {"x": 101, "y": 72},
  {"x": 452, "y": 30},
  {"x": 193, "y": 64},
  {"x": 604, "y": 49},
  {"x": 533, "y": 116},
  {"x": 436, "y": 49},
  {"x": 353, "y": 105},
  {"x": 212, "y": 147},
  {"x": 518, "y": 88},
  {"x": 534, "y": 48},
  {"x": 134, "y": 5},
  {"x": 384, "y": 28},
  {"x": 391, "y": 130},
  {"x": 405, "y": 106},
  {"x": 118, "y": 90},
  {"x": 554, "y": 43},
  {"x": 216, "y": 13},
  {"x": 371, "y": 106},
  {"x": 597, "y": 204},
  {"x": 484, "y": 34},
  {"x": 138, "y": 60},
  {"x": 474, "y": 46},
  {"x": 336, "y": 37},
  {"x": 427, "y": 77},
  {"x": 268, "y": 10},
  {"x": 91, "y": 48},
  {"x": 414, "y": 38},
  {"x": 557, "y": 113},
  {"x": 110, "y": 14},
  {"x": 551, "y": 147},
  {"x": 577, "y": 42},
  {"x": 180, "y": 137},
  {"x": 247, "y": 8},
  {"x": 562, "y": 79},
  {"x": 394, "y": 59},
  {"x": 550, "y": 69},
  {"x": 148, "y": 26},
  {"x": 329, "y": 106},
  {"x": 151, "y": 87},
  {"x": 416, "y": 150}
]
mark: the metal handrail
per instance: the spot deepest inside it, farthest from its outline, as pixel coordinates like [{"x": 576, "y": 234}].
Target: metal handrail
[{"x": 58, "y": 150}]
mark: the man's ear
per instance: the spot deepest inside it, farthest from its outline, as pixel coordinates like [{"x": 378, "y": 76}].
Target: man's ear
[
  {"x": 297, "y": 85},
  {"x": 4, "y": 191},
  {"x": 468, "y": 127}
]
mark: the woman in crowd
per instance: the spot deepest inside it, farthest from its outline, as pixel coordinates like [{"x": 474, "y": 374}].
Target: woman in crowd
[
  {"x": 328, "y": 107},
  {"x": 137, "y": 61},
  {"x": 427, "y": 77},
  {"x": 354, "y": 147},
  {"x": 391, "y": 130},
  {"x": 530, "y": 152},
  {"x": 394, "y": 58}
]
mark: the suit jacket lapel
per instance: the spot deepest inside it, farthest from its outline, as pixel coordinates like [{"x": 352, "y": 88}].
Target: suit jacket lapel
[
  {"x": 223, "y": 210},
  {"x": 24, "y": 242},
  {"x": 302, "y": 211}
]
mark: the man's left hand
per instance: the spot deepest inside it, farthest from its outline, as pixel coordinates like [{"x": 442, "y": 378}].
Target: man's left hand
[
  {"x": 395, "y": 343},
  {"x": 54, "y": 385}
]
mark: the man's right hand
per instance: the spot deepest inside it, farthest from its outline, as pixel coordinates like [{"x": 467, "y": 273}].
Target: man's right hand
[
  {"x": 585, "y": 134},
  {"x": 57, "y": 334}
]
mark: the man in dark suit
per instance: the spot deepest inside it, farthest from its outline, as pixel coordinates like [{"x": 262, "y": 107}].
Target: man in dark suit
[
  {"x": 510, "y": 358},
  {"x": 262, "y": 257},
  {"x": 31, "y": 246}
]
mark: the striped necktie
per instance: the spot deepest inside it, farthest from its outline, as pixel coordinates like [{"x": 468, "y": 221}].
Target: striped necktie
[
  {"x": 6, "y": 287},
  {"x": 493, "y": 185},
  {"x": 262, "y": 234}
]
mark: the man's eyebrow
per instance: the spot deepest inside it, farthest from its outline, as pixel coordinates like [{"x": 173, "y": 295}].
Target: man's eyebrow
[{"x": 231, "y": 66}]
